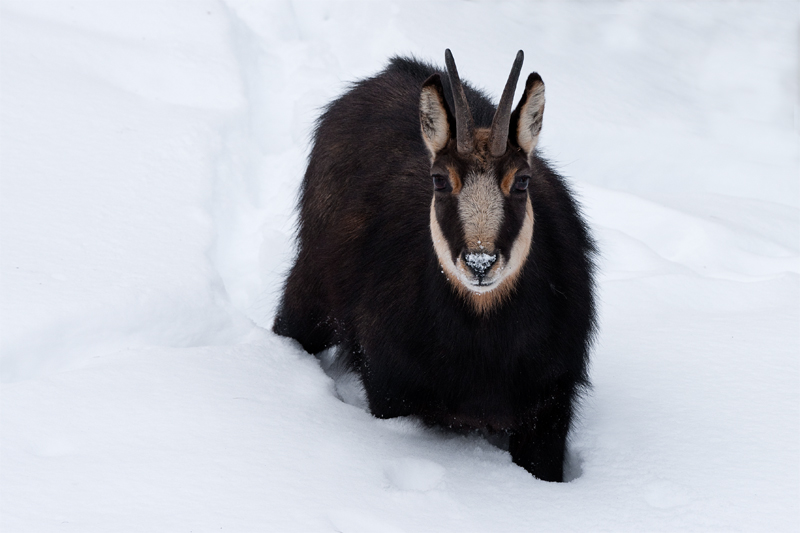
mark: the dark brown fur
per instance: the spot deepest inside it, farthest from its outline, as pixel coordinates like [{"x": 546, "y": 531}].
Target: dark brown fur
[{"x": 367, "y": 278}]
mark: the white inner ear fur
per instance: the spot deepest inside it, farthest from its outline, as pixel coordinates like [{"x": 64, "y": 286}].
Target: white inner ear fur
[
  {"x": 530, "y": 119},
  {"x": 433, "y": 120}
]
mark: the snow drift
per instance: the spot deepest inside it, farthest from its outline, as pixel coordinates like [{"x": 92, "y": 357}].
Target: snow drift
[{"x": 151, "y": 154}]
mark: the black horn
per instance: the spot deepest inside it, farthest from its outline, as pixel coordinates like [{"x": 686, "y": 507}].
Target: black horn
[
  {"x": 499, "y": 136},
  {"x": 463, "y": 114}
]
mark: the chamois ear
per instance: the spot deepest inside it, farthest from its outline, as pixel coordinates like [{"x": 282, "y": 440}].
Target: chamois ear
[
  {"x": 434, "y": 116},
  {"x": 526, "y": 120}
]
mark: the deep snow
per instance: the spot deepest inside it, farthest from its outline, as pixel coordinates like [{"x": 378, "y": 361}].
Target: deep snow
[{"x": 150, "y": 157}]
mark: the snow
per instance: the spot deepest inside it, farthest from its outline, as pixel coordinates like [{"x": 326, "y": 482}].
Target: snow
[
  {"x": 150, "y": 158},
  {"x": 480, "y": 261}
]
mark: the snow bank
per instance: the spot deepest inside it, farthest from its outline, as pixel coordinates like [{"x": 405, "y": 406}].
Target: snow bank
[{"x": 151, "y": 154}]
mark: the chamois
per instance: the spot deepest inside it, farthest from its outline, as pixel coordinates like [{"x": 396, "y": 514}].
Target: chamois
[{"x": 446, "y": 259}]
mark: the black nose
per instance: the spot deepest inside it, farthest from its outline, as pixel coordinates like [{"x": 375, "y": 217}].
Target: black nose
[{"x": 479, "y": 262}]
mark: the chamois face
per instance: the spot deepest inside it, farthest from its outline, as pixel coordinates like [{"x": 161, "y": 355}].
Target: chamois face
[{"x": 481, "y": 219}]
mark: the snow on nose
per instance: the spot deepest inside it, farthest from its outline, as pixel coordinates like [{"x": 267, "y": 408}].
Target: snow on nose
[{"x": 479, "y": 263}]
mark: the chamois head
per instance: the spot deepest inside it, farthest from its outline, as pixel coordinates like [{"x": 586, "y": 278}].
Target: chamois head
[{"x": 481, "y": 217}]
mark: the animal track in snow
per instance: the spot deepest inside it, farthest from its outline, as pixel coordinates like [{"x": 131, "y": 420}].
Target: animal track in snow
[{"x": 415, "y": 474}]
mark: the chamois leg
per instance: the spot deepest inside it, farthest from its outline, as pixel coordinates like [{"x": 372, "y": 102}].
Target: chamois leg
[
  {"x": 301, "y": 313},
  {"x": 390, "y": 390},
  {"x": 539, "y": 445}
]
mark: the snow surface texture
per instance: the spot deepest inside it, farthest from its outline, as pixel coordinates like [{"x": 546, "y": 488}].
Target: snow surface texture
[{"x": 151, "y": 154}]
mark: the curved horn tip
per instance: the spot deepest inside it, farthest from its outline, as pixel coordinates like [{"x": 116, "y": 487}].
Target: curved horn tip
[
  {"x": 517, "y": 66},
  {"x": 449, "y": 62},
  {"x": 463, "y": 116},
  {"x": 502, "y": 117}
]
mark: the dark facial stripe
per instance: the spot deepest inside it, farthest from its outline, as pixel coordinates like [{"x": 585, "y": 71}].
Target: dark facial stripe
[
  {"x": 513, "y": 216},
  {"x": 450, "y": 223}
]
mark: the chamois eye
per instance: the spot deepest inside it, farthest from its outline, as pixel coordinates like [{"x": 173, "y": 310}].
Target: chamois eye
[
  {"x": 522, "y": 183},
  {"x": 439, "y": 182}
]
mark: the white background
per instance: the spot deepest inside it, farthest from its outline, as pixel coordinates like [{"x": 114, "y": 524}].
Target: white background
[{"x": 150, "y": 158}]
